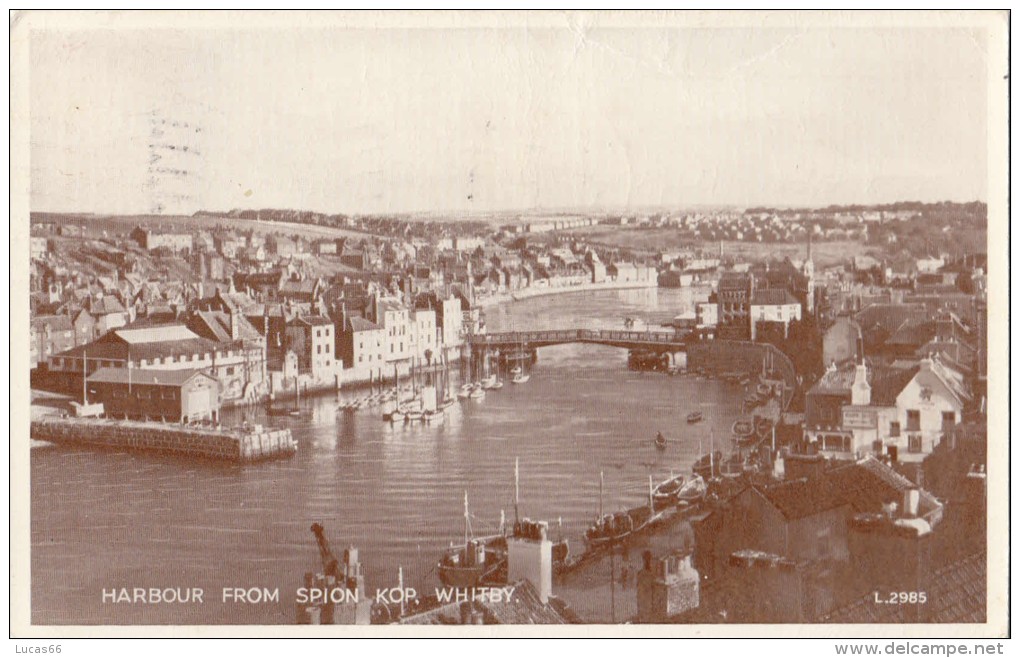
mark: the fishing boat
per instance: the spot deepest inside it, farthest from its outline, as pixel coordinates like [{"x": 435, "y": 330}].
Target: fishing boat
[
  {"x": 476, "y": 560},
  {"x": 732, "y": 467},
  {"x": 665, "y": 493},
  {"x": 493, "y": 385},
  {"x": 742, "y": 428},
  {"x": 693, "y": 491},
  {"x": 414, "y": 415},
  {"x": 516, "y": 370},
  {"x": 610, "y": 529},
  {"x": 433, "y": 417},
  {"x": 694, "y": 417},
  {"x": 660, "y": 441},
  {"x": 520, "y": 378},
  {"x": 477, "y": 393},
  {"x": 482, "y": 560},
  {"x": 465, "y": 391},
  {"x": 707, "y": 465}
]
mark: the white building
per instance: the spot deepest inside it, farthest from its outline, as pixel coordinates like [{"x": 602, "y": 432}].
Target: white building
[
  {"x": 906, "y": 411},
  {"x": 395, "y": 319},
  {"x": 773, "y": 305},
  {"x": 424, "y": 334}
]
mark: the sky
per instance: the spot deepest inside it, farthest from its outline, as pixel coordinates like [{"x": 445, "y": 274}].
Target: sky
[{"x": 477, "y": 119}]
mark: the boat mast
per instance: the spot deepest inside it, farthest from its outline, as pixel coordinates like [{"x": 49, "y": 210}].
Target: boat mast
[
  {"x": 84, "y": 377},
  {"x": 651, "y": 497},
  {"x": 602, "y": 481},
  {"x": 517, "y": 488},
  {"x": 467, "y": 520},
  {"x": 400, "y": 584},
  {"x": 711, "y": 453}
]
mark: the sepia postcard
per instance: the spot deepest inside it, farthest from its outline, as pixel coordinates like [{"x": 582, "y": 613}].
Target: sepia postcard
[{"x": 566, "y": 323}]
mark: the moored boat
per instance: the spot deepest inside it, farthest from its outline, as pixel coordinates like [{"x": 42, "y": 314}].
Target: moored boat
[
  {"x": 742, "y": 428},
  {"x": 609, "y": 529},
  {"x": 666, "y": 492},
  {"x": 693, "y": 491},
  {"x": 520, "y": 378},
  {"x": 477, "y": 393},
  {"x": 707, "y": 465},
  {"x": 694, "y": 417},
  {"x": 660, "y": 441},
  {"x": 732, "y": 467}
]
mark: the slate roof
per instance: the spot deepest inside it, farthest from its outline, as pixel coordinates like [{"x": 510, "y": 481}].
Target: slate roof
[
  {"x": 54, "y": 322},
  {"x": 108, "y": 304},
  {"x": 215, "y": 325},
  {"x": 796, "y": 499},
  {"x": 113, "y": 346},
  {"x": 887, "y": 384},
  {"x": 865, "y": 485},
  {"x": 835, "y": 382},
  {"x": 361, "y": 324},
  {"x": 957, "y": 594},
  {"x": 773, "y": 297},
  {"x": 889, "y": 316},
  {"x": 314, "y": 320},
  {"x": 912, "y": 332}
]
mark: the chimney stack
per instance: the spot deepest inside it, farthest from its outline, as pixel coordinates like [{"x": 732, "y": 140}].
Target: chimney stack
[
  {"x": 860, "y": 394},
  {"x": 666, "y": 587},
  {"x": 529, "y": 557},
  {"x": 911, "y": 502}
]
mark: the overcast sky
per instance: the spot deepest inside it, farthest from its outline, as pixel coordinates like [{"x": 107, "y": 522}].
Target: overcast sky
[{"x": 474, "y": 119}]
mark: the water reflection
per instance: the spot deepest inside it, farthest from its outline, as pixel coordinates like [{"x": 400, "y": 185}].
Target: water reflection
[{"x": 395, "y": 490}]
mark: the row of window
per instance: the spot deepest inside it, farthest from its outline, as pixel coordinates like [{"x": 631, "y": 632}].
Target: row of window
[{"x": 142, "y": 393}]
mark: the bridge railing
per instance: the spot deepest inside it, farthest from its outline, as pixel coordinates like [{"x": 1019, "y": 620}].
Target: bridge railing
[{"x": 568, "y": 335}]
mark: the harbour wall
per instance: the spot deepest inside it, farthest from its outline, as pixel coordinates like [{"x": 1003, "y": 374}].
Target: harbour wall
[{"x": 236, "y": 444}]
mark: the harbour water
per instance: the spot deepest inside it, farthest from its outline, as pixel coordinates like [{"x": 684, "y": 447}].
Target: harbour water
[{"x": 110, "y": 520}]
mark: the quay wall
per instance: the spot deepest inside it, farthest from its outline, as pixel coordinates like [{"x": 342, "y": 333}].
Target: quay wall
[{"x": 238, "y": 445}]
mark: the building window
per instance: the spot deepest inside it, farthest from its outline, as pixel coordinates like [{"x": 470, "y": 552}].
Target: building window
[
  {"x": 913, "y": 420},
  {"x": 318, "y": 333},
  {"x": 230, "y": 370},
  {"x": 948, "y": 420},
  {"x": 894, "y": 429},
  {"x": 914, "y": 443}
]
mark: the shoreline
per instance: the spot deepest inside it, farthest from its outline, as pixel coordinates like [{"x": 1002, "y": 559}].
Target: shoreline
[{"x": 533, "y": 292}]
